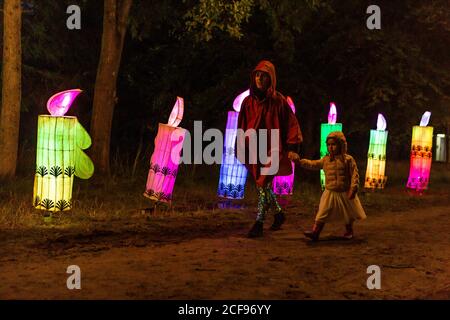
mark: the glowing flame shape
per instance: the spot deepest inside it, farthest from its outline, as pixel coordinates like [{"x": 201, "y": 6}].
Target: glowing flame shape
[
  {"x": 238, "y": 100},
  {"x": 425, "y": 119},
  {"x": 60, "y": 103},
  {"x": 332, "y": 115},
  {"x": 291, "y": 104},
  {"x": 177, "y": 113},
  {"x": 381, "y": 122}
]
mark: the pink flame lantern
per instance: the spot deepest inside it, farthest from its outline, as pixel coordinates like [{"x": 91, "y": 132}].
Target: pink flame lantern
[
  {"x": 421, "y": 156},
  {"x": 284, "y": 185},
  {"x": 166, "y": 156},
  {"x": 59, "y": 103}
]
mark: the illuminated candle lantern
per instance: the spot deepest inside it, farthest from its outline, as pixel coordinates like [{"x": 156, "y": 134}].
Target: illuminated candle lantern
[
  {"x": 421, "y": 156},
  {"x": 233, "y": 173},
  {"x": 284, "y": 185},
  {"x": 325, "y": 129},
  {"x": 376, "y": 158},
  {"x": 60, "y": 157},
  {"x": 166, "y": 156},
  {"x": 441, "y": 150}
]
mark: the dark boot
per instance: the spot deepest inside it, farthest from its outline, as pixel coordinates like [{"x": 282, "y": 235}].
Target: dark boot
[
  {"x": 256, "y": 231},
  {"x": 315, "y": 233},
  {"x": 278, "y": 220},
  {"x": 348, "y": 231}
]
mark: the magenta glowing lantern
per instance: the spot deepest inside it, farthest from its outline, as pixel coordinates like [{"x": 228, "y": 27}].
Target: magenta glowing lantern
[
  {"x": 284, "y": 185},
  {"x": 166, "y": 156},
  {"x": 233, "y": 174},
  {"x": 421, "y": 155}
]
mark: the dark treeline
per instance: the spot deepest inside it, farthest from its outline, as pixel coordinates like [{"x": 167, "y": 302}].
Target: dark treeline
[{"x": 323, "y": 52}]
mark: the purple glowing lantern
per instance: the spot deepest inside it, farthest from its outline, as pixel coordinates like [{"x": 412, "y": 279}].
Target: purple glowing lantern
[{"x": 233, "y": 173}]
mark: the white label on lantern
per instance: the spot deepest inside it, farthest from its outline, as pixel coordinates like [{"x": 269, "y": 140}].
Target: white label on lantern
[
  {"x": 74, "y": 280},
  {"x": 74, "y": 20},
  {"x": 374, "y": 281},
  {"x": 374, "y": 20}
]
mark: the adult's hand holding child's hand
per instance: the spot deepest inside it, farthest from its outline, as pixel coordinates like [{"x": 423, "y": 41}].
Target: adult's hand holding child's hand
[{"x": 293, "y": 156}]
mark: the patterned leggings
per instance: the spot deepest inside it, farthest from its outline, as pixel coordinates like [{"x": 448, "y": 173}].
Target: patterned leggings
[{"x": 266, "y": 200}]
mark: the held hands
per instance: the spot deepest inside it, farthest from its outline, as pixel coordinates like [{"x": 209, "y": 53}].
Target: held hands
[
  {"x": 351, "y": 194},
  {"x": 293, "y": 156}
]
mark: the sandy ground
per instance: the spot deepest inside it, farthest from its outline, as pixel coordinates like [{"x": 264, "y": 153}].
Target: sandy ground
[{"x": 412, "y": 248}]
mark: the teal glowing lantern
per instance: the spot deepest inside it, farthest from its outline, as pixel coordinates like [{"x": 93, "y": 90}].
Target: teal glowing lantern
[
  {"x": 59, "y": 155},
  {"x": 233, "y": 174},
  {"x": 421, "y": 155},
  {"x": 325, "y": 130},
  {"x": 284, "y": 185},
  {"x": 376, "y": 157},
  {"x": 166, "y": 157}
]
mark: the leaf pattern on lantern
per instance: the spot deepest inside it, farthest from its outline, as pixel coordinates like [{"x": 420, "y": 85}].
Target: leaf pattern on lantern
[
  {"x": 156, "y": 168},
  {"x": 56, "y": 171},
  {"x": 47, "y": 204},
  {"x": 174, "y": 173},
  {"x": 160, "y": 196},
  {"x": 165, "y": 171},
  {"x": 62, "y": 205},
  {"x": 37, "y": 201},
  {"x": 69, "y": 171},
  {"x": 231, "y": 190},
  {"x": 42, "y": 171}
]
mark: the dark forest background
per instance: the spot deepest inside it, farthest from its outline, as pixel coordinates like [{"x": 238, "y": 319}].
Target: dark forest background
[{"x": 322, "y": 50}]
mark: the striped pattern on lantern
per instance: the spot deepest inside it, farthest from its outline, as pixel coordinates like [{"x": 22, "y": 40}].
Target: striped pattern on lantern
[{"x": 376, "y": 157}]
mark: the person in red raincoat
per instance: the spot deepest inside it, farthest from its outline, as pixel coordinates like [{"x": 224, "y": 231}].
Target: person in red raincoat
[{"x": 266, "y": 108}]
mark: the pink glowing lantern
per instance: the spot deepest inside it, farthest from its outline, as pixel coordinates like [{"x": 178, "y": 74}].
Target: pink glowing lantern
[
  {"x": 166, "y": 156},
  {"x": 284, "y": 185},
  {"x": 421, "y": 156},
  {"x": 59, "y": 103}
]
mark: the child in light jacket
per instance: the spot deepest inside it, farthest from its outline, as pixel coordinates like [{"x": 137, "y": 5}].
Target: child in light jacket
[{"x": 341, "y": 186}]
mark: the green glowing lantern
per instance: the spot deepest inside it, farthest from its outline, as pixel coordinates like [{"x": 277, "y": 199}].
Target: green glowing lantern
[
  {"x": 376, "y": 157},
  {"x": 325, "y": 130},
  {"x": 59, "y": 157}
]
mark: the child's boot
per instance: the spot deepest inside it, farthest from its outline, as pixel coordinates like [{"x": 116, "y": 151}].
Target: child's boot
[
  {"x": 257, "y": 230},
  {"x": 315, "y": 233},
  {"x": 278, "y": 220},
  {"x": 348, "y": 231}
]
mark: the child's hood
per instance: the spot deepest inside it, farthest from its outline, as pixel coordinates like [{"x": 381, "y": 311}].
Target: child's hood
[{"x": 340, "y": 138}]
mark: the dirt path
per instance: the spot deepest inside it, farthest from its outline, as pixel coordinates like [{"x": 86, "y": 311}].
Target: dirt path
[{"x": 411, "y": 248}]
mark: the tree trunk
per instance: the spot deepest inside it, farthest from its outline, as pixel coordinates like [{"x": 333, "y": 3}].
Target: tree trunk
[
  {"x": 114, "y": 28},
  {"x": 11, "y": 88}
]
